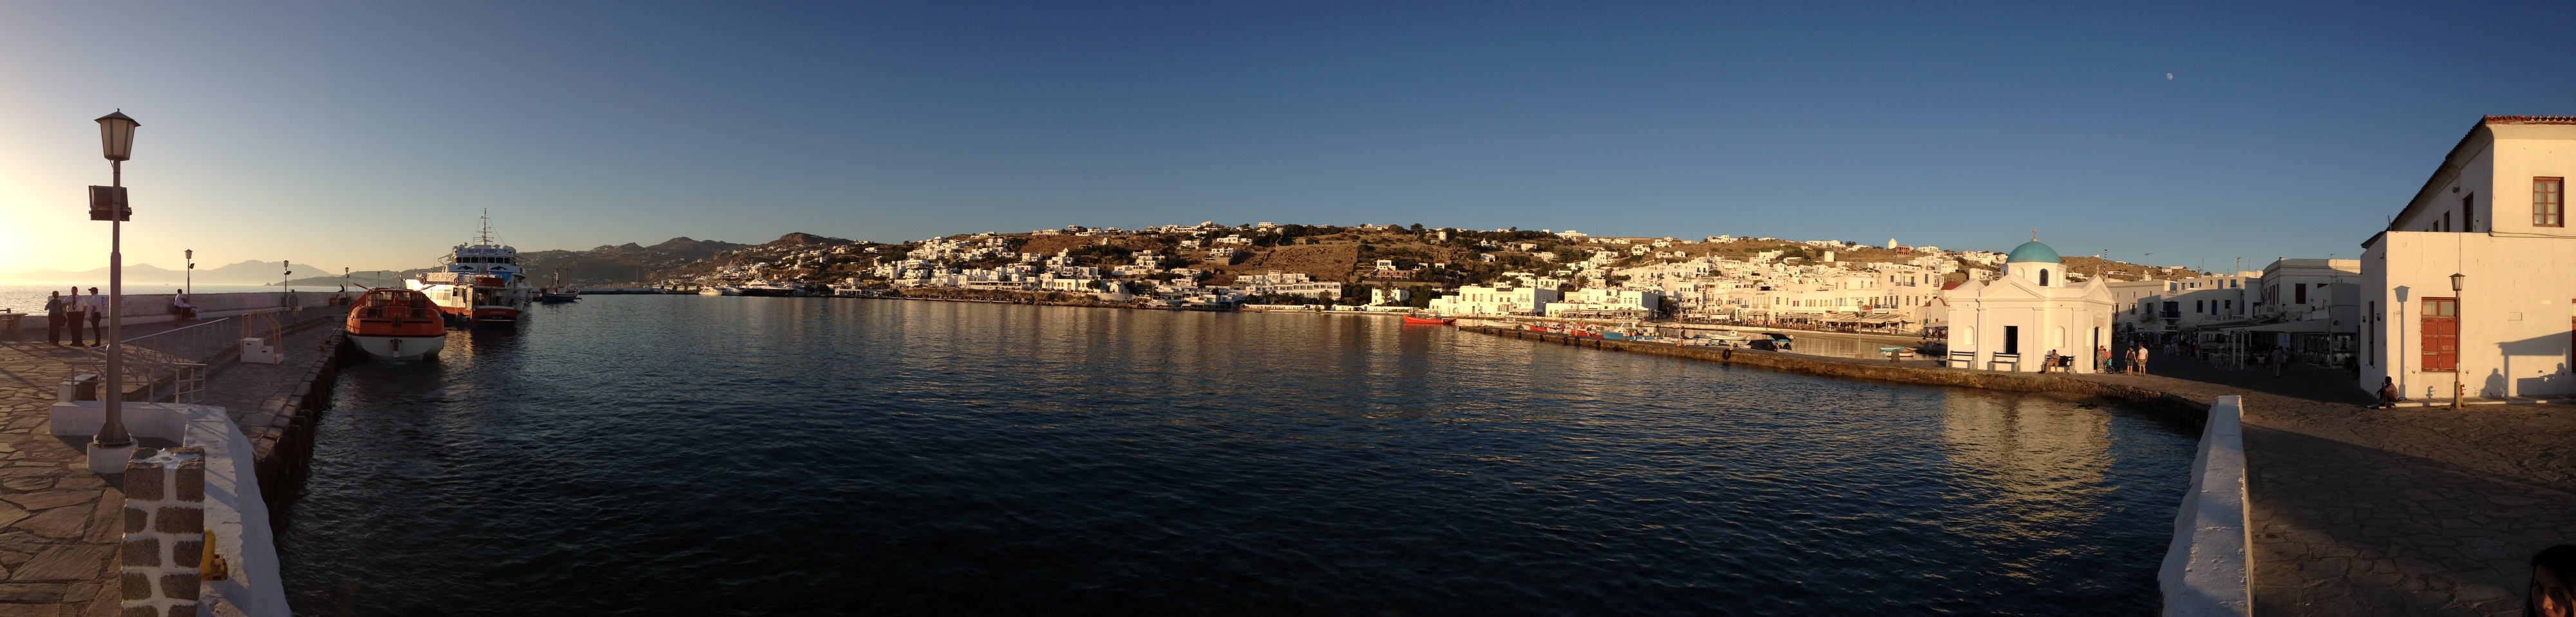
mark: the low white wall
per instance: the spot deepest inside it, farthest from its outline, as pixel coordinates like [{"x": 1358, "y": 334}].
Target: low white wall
[
  {"x": 155, "y": 308},
  {"x": 2208, "y": 569}
]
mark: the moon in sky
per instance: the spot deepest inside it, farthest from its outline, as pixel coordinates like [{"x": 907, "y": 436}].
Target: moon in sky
[{"x": 2168, "y": 77}]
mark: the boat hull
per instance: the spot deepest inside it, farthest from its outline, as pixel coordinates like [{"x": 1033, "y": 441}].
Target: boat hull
[
  {"x": 401, "y": 347},
  {"x": 1409, "y": 319}
]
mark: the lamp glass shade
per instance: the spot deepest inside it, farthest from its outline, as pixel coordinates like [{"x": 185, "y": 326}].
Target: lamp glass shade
[
  {"x": 116, "y": 135},
  {"x": 2455, "y": 281}
]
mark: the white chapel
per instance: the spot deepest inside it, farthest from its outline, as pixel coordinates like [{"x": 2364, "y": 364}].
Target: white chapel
[{"x": 2012, "y": 322}]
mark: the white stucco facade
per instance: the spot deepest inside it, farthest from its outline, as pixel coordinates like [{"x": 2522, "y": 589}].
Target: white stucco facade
[
  {"x": 2014, "y": 321},
  {"x": 2480, "y": 215}
]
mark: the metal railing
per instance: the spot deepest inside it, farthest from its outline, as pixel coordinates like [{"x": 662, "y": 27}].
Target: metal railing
[
  {"x": 176, "y": 382},
  {"x": 202, "y": 342}
]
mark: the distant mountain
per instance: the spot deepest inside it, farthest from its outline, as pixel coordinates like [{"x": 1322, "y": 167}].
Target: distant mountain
[
  {"x": 806, "y": 239},
  {"x": 252, "y": 272}
]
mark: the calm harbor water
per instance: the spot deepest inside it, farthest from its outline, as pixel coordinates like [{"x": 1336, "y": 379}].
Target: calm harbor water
[{"x": 763, "y": 456}]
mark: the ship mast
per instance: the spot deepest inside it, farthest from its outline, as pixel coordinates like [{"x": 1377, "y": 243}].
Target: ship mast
[{"x": 485, "y": 238}]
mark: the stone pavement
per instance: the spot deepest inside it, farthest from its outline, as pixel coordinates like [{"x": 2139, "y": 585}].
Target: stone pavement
[
  {"x": 59, "y": 523},
  {"x": 2408, "y": 511}
]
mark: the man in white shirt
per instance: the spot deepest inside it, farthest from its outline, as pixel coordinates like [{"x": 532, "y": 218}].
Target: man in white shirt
[
  {"x": 180, "y": 310},
  {"x": 75, "y": 309},
  {"x": 97, "y": 311}
]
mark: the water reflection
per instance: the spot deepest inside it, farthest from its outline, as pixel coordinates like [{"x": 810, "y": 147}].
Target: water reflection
[{"x": 787, "y": 455}]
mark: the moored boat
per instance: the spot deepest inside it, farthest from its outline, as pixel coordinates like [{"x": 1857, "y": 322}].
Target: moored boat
[
  {"x": 1430, "y": 321},
  {"x": 482, "y": 284},
  {"x": 557, "y": 293},
  {"x": 396, "y": 323}
]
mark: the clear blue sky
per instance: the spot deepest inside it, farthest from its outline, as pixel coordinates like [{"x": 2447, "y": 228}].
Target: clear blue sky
[{"x": 369, "y": 135}]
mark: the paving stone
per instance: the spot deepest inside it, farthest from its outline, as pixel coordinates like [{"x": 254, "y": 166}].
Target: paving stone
[
  {"x": 66, "y": 562},
  {"x": 32, "y": 592},
  {"x": 51, "y": 499},
  {"x": 56, "y": 523}
]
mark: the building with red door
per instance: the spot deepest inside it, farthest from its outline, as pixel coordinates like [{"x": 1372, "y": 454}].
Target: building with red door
[{"x": 2494, "y": 214}]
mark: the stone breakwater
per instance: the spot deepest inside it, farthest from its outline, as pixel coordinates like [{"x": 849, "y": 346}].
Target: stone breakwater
[{"x": 1914, "y": 372}]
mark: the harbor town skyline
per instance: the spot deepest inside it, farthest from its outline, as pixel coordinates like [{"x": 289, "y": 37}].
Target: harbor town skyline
[{"x": 2199, "y": 134}]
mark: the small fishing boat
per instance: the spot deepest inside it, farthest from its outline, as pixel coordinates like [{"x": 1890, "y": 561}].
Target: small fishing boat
[
  {"x": 1430, "y": 321},
  {"x": 719, "y": 290},
  {"x": 397, "y": 323},
  {"x": 557, "y": 293}
]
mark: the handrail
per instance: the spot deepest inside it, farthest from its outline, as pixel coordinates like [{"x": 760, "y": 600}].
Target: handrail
[{"x": 177, "y": 329}]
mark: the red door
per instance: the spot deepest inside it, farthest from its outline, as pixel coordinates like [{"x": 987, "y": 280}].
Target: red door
[{"x": 2441, "y": 335}]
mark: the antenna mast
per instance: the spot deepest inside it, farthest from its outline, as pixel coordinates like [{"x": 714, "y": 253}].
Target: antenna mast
[{"x": 486, "y": 236}]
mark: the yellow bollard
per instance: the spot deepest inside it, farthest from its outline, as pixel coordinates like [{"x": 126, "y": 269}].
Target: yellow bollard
[{"x": 211, "y": 567}]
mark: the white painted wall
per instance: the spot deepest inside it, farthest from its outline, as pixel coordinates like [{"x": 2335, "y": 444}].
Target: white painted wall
[{"x": 2515, "y": 311}]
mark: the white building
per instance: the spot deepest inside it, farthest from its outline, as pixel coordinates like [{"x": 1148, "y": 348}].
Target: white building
[
  {"x": 2495, "y": 213},
  {"x": 2029, "y": 311},
  {"x": 1609, "y": 303},
  {"x": 1483, "y": 300}
]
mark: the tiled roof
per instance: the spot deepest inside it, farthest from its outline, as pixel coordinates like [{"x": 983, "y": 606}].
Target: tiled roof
[{"x": 2529, "y": 120}]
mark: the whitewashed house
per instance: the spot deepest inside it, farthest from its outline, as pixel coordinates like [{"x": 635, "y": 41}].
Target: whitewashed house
[
  {"x": 2030, "y": 310},
  {"x": 1474, "y": 300},
  {"x": 2494, "y": 213}
]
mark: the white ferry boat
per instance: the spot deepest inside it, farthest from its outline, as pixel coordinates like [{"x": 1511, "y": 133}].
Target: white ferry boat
[{"x": 483, "y": 284}]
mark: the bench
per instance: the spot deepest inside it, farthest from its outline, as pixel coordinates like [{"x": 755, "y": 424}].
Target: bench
[
  {"x": 9, "y": 322},
  {"x": 2013, "y": 359},
  {"x": 1964, "y": 359}
]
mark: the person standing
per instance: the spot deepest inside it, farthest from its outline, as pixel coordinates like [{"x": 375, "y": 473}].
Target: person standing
[
  {"x": 76, "y": 308},
  {"x": 2279, "y": 359},
  {"x": 2138, "y": 366},
  {"x": 54, "y": 318},
  {"x": 97, "y": 311}
]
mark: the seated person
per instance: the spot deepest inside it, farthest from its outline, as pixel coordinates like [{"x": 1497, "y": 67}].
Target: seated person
[{"x": 180, "y": 310}]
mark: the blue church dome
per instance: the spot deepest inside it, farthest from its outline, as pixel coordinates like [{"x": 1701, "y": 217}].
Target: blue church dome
[{"x": 2032, "y": 251}]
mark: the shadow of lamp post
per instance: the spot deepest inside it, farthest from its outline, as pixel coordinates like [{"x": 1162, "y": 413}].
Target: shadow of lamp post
[{"x": 111, "y": 446}]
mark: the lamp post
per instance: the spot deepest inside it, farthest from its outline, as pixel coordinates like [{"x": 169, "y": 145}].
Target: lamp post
[
  {"x": 110, "y": 448},
  {"x": 191, "y": 282},
  {"x": 2458, "y": 321}
]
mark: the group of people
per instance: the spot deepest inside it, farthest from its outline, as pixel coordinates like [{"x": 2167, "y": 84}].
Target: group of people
[
  {"x": 68, "y": 312},
  {"x": 61, "y": 312}
]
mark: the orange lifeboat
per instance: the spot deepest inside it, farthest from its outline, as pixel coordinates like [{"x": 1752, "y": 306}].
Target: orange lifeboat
[{"x": 397, "y": 323}]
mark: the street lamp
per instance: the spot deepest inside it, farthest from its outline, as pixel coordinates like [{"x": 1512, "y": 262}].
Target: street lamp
[
  {"x": 191, "y": 275},
  {"x": 2458, "y": 321},
  {"x": 110, "y": 448}
]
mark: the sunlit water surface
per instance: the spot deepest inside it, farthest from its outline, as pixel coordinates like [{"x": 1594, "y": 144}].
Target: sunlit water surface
[{"x": 690, "y": 455}]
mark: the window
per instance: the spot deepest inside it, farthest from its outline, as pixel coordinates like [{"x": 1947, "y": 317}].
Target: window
[
  {"x": 2302, "y": 290},
  {"x": 2548, "y": 202},
  {"x": 2043, "y": 277},
  {"x": 2469, "y": 212},
  {"x": 2197, "y": 308},
  {"x": 2441, "y": 335}
]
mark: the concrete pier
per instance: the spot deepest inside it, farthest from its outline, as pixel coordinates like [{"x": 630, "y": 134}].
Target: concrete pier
[{"x": 60, "y": 525}]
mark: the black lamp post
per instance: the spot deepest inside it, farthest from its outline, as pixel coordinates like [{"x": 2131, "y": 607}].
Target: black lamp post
[
  {"x": 2459, "y": 321},
  {"x": 112, "y": 446}
]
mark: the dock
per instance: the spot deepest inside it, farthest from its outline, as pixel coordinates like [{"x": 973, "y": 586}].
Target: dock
[{"x": 63, "y": 524}]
